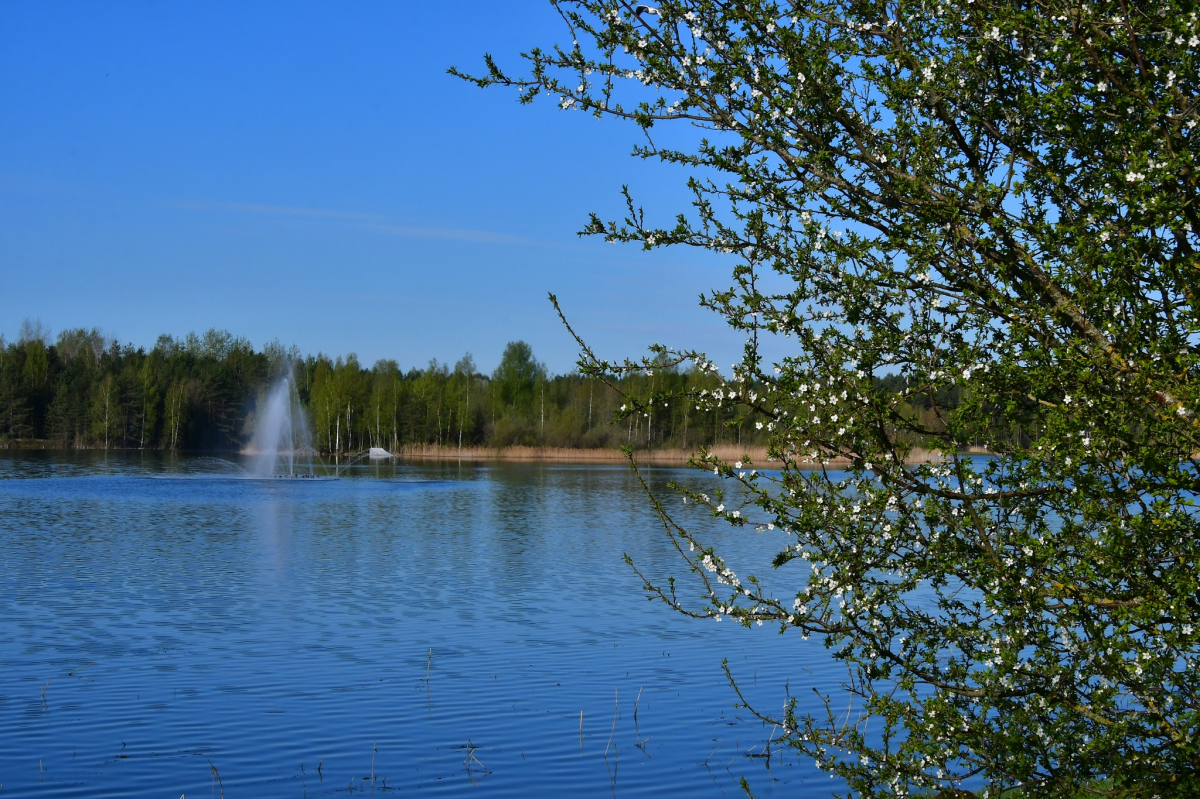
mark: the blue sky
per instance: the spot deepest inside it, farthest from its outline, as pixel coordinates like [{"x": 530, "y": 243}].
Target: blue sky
[{"x": 309, "y": 172}]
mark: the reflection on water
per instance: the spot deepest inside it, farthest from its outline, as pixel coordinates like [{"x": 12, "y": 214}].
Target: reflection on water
[{"x": 419, "y": 628}]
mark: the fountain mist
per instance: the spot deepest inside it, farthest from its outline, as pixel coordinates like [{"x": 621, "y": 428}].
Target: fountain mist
[{"x": 282, "y": 443}]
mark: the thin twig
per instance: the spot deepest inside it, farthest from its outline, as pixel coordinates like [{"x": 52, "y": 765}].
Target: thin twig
[
  {"x": 217, "y": 776},
  {"x": 766, "y": 750},
  {"x": 616, "y": 697},
  {"x": 637, "y": 732},
  {"x": 710, "y": 754},
  {"x": 470, "y": 747}
]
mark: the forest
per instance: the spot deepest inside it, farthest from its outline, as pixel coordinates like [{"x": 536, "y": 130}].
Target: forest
[{"x": 83, "y": 390}]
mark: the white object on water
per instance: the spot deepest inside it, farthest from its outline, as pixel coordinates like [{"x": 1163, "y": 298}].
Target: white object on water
[{"x": 378, "y": 452}]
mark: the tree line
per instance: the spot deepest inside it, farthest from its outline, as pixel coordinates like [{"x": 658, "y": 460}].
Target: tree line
[{"x": 201, "y": 392}]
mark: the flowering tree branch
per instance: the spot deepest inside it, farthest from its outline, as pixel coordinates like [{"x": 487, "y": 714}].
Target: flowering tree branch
[{"x": 949, "y": 224}]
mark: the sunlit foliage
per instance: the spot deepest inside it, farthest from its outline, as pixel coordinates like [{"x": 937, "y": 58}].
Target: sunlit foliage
[{"x": 999, "y": 196}]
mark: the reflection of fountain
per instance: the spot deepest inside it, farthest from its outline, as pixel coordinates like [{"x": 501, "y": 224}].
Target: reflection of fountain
[{"x": 282, "y": 446}]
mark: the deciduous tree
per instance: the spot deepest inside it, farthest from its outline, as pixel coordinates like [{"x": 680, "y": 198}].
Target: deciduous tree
[{"x": 991, "y": 198}]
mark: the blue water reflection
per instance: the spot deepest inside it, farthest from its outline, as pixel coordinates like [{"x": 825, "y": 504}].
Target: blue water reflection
[{"x": 309, "y": 638}]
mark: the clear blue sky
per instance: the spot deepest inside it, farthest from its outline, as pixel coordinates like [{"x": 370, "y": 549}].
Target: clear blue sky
[{"x": 309, "y": 172}]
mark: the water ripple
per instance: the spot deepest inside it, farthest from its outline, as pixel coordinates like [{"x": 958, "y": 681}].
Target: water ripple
[{"x": 441, "y": 628}]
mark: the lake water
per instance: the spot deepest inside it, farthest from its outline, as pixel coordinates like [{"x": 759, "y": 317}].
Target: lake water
[{"x": 405, "y": 630}]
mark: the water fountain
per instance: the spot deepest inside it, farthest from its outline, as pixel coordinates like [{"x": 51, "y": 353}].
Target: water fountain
[{"x": 282, "y": 445}]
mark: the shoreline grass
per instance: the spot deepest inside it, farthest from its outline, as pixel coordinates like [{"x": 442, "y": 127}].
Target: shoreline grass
[{"x": 756, "y": 455}]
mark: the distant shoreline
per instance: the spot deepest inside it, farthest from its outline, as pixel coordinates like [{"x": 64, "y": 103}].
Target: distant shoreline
[
  {"x": 667, "y": 456},
  {"x": 674, "y": 456}
]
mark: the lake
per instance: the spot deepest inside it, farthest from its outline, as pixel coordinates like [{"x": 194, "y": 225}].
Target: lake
[{"x": 408, "y": 629}]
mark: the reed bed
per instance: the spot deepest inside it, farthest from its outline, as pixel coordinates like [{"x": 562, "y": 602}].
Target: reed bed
[{"x": 664, "y": 456}]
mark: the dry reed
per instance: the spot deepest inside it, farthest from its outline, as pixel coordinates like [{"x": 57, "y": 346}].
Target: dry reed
[
  {"x": 666, "y": 456},
  {"x": 216, "y": 775},
  {"x": 616, "y": 698}
]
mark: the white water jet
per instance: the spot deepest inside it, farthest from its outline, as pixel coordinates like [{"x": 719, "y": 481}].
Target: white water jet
[{"x": 281, "y": 440}]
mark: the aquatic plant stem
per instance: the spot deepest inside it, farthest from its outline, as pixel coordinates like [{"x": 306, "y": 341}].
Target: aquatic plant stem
[{"x": 616, "y": 697}]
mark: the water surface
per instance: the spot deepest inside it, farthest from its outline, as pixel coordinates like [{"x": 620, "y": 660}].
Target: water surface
[{"x": 404, "y": 630}]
